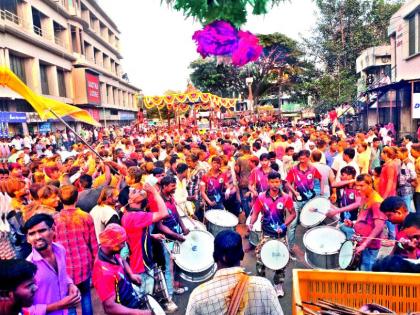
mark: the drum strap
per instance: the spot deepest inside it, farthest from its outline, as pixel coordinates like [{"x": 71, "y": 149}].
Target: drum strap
[{"x": 238, "y": 295}]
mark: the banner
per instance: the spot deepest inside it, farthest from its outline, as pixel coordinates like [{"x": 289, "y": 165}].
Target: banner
[
  {"x": 13, "y": 117},
  {"x": 93, "y": 89},
  {"x": 416, "y": 106}
]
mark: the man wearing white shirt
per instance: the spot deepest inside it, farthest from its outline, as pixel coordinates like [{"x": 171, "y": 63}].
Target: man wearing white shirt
[
  {"x": 347, "y": 159},
  {"x": 258, "y": 149},
  {"x": 17, "y": 143}
]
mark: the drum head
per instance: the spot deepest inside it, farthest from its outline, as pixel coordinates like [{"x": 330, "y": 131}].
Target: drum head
[
  {"x": 154, "y": 306},
  {"x": 275, "y": 255},
  {"x": 192, "y": 224},
  {"x": 257, "y": 224},
  {"x": 324, "y": 240},
  {"x": 345, "y": 257},
  {"x": 310, "y": 217},
  {"x": 196, "y": 252},
  {"x": 221, "y": 218}
]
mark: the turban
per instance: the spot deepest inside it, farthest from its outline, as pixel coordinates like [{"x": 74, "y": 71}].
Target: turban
[{"x": 112, "y": 236}]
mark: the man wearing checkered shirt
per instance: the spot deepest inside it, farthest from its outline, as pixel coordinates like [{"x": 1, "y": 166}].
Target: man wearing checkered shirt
[
  {"x": 213, "y": 297},
  {"x": 75, "y": 230}
]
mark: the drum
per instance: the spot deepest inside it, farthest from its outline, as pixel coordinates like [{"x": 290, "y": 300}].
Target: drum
[
  {"x": 255, "y": 234},
  {"x": 322, "y": 246},
  {"x": 192, "y": 224},
  {"x": 195, "y": 258},
  {"x": 314, "y": 212},
  {"x": 275, "y": 255},
  {"x": 220, "y": 220},
  {"x": 185, "y": 208},
  {"x": 347, "y": 258},
  {"x": 154, "y": 306}
]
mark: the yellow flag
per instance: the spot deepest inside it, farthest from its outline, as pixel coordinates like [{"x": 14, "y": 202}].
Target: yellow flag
[{"x": 43, "y": 105}]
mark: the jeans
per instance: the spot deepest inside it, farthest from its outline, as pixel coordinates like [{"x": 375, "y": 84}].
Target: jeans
[
  {"x": 408, "y": 199},
  {"x": 417, "y": 201},
  {"x": 349, "y": 231},
  {"x": 168, "y": 270},
  {"x": 368, "y": 259},
  {"x": 245, "y": 201},
  {"x": 391, "y": 230},
  {"x": 147, "y": 282},
  {"x": 86, "y": 302},
  {"x": 292, "y": 227}
]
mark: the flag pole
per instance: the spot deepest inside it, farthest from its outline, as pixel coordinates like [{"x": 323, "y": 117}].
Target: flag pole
[{"x": 77, "y": 135}]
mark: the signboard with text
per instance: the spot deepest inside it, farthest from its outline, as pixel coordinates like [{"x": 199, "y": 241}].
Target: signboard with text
[
  {"x": 93, "y": 89},
  {"x": 13, "y": 117},
  {"x": 416, "y": 106}
]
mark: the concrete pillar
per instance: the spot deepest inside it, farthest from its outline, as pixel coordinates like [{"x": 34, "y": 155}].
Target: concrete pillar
[
  {"x": 26, "y": 14},
  {"x": 104, "y": 99},
  {"x": 110, "y": 95},
  {"x": 33, "y": 76},
  {"x": 47, "y": 25},
  {"x": 52, "y": 80}
]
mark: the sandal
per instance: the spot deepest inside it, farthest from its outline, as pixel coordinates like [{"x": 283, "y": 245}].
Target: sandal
[{"x": 179, "y": 291}]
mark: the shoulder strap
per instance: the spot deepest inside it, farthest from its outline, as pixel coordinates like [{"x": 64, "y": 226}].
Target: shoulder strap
[{"x": 238, "y": 294}]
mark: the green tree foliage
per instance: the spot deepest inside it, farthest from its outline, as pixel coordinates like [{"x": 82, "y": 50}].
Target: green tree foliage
[
  {"x": 344, "y": 29},
  {"x": 281, "y": 56}
]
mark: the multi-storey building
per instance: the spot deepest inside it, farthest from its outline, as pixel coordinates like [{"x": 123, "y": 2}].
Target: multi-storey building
[
  {"x": 399, "y": 95},
  {"x": 68, "y": 50}
]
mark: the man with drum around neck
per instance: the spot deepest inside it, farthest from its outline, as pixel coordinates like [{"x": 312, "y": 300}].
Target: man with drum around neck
[
  {"x": 369, "y": 223},
  {"x": 272, "y": 204},
  {"x": 300, "y": 181}
]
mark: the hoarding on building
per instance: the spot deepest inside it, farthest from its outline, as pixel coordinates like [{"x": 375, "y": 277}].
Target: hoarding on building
[
  {"x": 13, "y": 117},
  {"x": 416, "y": 106},
  {"x": 93, "y": 89}
]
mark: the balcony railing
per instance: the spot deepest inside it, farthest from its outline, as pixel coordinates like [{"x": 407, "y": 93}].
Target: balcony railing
[{"x": 9, "y": 16}]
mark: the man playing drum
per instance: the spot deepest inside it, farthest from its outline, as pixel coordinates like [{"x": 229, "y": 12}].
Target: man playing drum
[
  {"x": 300, "y": 181},
  {"x": 272, "y": 204},
  {"x": 369, "y": 223}
]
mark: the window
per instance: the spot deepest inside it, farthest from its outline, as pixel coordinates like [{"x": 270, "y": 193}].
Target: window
[
  {"x": 114, "y": 112},
  {"x": 17, "y": 65},
  {"x": 412, "y": 35},
  {"x": 9, "y": 5},
  {"x": 44, "y": 79},
  {"x": 61, "y": 83},
  {"x": 37, "y": 18}
]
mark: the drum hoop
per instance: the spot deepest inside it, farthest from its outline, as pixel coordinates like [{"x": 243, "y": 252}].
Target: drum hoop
[
  {"x": 224, "y": 212},
  {"x": 305, "y": 236},
  {"x": 305, "y": 210},
  {"x": 353, "y": 257},
  {"x": 286, "y": 251},
  {"x": 183, "y": 267}
]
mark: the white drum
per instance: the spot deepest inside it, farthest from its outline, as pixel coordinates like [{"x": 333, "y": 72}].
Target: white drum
[
  {"x": 314, "y": 212},
  {"x": 322, "y": 244},
  {"x": 185, "y": 208},
  {"x": 275, "y": 255},
  {"x": 255, "y": 234},
  {"x": 154, "y": 306},
  {"x": 347, "y": 258},
  {"x": 192, "y": 224},
  {"x": 195, "y": 258},
  {"x": 220, "y": 220}
]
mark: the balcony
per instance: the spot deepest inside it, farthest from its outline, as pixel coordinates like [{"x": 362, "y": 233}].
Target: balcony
[{"x": 11, "y": 17}]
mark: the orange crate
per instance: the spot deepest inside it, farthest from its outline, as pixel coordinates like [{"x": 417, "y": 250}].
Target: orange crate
[{"x": 399, "y": 292}]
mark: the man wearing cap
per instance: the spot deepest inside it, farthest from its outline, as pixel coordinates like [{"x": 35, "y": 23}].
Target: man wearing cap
[{"x": 112, "y": 276}]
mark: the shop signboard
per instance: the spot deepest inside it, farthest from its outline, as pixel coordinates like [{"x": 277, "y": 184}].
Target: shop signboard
[
  {"x": 93, "y": 89},
  {"x": 45, "y": 127},
  {"x": 13, "y": 117},
  {"x": 416, "y": 106}
]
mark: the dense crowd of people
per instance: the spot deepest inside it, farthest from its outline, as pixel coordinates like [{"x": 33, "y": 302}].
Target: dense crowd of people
[{"x": 71, "y": 217}]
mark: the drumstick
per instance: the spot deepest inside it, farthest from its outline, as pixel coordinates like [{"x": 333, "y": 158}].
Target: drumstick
[{"x": 188, "y": 217}]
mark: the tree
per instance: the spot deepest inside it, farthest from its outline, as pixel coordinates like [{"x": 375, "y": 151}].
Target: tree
[
  {"x": 344, "y": 29},
  {"x": 281, "y": 58}
]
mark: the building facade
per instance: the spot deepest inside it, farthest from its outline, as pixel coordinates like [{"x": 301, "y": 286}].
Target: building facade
[
  {"x": 374, "y": 69},
  {"x": 404, "y": 32},
  {"x": 68, "y": 50}
]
